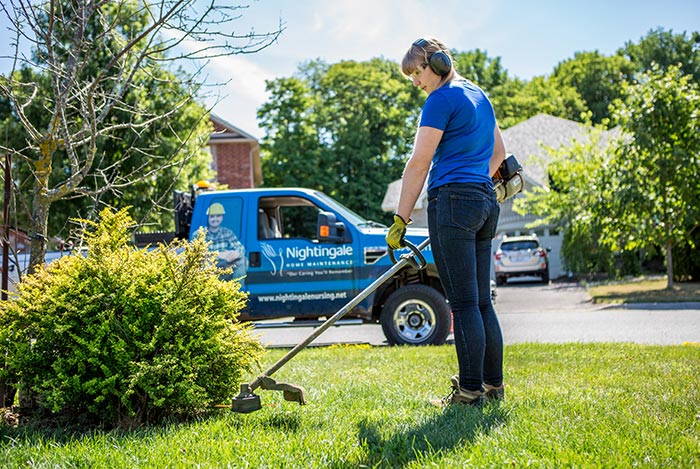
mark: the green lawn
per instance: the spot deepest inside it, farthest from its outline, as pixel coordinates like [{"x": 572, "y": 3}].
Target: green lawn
[
  {"x": 644, "y": 291},
  {"x": 571, "y": 405}
]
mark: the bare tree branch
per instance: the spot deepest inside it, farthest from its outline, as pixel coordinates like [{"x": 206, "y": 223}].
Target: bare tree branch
[{"x": 94, "y": 58}]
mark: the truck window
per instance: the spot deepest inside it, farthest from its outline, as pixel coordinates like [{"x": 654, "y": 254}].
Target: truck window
[
  {"x": 300, "y": 222},
  {"x": 268, "y": 226},
  {"x": 287, "y": 217}
]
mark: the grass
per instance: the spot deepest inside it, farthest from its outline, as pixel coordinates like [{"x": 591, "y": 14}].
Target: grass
[
  {"x": 580, "y": 405},
  {"x": 645, "y": 291}
]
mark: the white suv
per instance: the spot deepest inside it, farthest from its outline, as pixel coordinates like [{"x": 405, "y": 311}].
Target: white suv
[{"x": 519, "y": 256}]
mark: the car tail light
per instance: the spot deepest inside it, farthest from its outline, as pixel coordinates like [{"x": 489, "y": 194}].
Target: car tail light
[
  {"x": 498, "y": 256},
  {"x": 542, "y": 252}
]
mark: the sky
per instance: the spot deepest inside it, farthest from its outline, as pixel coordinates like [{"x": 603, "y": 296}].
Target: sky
[{"x": 530, "y": 36}]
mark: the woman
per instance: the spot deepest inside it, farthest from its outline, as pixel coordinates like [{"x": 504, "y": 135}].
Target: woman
[{"x": 460, "y": 144}]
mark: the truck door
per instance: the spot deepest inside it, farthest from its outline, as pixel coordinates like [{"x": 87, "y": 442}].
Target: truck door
[{"x": 291, "y": 273}]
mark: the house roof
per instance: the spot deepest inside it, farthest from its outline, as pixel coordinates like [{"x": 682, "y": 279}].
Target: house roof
[
  {"x": 225, "y": 130},
  {"x": 530, "y": 139}
]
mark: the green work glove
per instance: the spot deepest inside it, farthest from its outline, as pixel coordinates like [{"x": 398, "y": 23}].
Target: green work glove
[{"x": 394, "y": 238}]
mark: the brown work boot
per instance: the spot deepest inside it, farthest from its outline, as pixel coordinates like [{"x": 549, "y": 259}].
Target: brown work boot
[
  {"x": 491, "y": 393},
  {"x": 495, "y": 393},
  {"x": 459, "y": 396}
]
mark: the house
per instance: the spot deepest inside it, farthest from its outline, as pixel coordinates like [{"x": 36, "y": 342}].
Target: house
[
  {"x": 419, "y": 215},
  {"x": 18, "y": 240},
  {"x": 529, "y": 141},
  {"x": 235, "y": 155}
]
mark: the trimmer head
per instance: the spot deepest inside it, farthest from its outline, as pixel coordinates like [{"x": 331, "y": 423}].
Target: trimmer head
[{"x": 246, "y": 401}]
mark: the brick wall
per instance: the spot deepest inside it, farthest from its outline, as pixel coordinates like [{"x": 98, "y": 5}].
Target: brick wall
[
  {"x": 233, "y": 164},
  {"x": 235, "y": 156}
]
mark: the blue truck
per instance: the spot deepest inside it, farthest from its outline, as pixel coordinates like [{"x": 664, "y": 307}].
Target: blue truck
[{"x": 302, "y": 255}]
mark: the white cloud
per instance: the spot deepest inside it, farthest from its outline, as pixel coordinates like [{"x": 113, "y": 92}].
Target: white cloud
[
  {"x": 235, "y": 85},
  {"x": 241, "y": 75},
  {"x": 240, "y": 90},
  {"x": 530, "y": 38},
  {"x": 339, "y": 30}
]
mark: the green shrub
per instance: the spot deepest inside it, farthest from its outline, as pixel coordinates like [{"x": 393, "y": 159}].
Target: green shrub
[{"x": 126, "y": 336}]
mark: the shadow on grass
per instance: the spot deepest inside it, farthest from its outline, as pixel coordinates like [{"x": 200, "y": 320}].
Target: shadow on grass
[
  {"x": 41, "y": 426},
  {"x": 60, "y": 432},
  {"x": 456, "y": 426},
  {"x": 38, "y": 426},
  {"x": 287, "y": 422}
]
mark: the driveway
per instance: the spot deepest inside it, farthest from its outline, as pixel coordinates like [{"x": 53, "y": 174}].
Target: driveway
[
  {"x": 562, "y": 312},
  {"x": 532, "y": 312},
  {"x": 531, "y": 296}
]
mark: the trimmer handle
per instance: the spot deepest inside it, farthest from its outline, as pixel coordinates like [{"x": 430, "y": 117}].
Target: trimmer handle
[{"x": 414, "y": 258}]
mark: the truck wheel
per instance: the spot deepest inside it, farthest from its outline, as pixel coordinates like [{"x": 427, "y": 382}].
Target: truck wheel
[{"x": 416, "y": 315}]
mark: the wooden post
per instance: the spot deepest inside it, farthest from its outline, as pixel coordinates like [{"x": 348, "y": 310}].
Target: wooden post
[
  {"x": 6, "y": 228},
  {"x": 7, "y": 392}
]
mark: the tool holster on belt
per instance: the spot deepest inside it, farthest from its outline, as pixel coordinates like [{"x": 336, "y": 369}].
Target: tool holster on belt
[{"x": 508, "y": 180}]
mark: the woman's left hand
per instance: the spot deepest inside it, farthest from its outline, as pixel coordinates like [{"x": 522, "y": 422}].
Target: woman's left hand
[{"x": 396, "y": 234}]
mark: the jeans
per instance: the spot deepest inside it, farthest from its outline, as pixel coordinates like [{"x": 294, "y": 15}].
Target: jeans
[{"x": 462, "y": 221}]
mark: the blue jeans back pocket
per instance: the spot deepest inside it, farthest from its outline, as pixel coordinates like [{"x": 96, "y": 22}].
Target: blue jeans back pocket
[{"x": 467, "y": 211}]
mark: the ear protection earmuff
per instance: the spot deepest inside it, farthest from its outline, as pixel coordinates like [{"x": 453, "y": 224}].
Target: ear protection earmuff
[{"x": 438, "y": 61}]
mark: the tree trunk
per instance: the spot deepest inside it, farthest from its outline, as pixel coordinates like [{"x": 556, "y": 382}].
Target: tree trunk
[
  {"x": 669, "y": 265},
  {"x": 7, "y": 394},
  {"x": 38, "y": 225},
  {"x": 38, "y": 232}
]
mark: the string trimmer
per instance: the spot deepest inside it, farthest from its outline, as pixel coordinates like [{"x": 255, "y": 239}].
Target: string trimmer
[{"x": 247, "y": 401}]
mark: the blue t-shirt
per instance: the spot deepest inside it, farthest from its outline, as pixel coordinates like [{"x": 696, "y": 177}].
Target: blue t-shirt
[{"x": 463, "y": 112}]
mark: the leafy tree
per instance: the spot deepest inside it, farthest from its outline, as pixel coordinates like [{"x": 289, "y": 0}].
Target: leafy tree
[
  {"x": 293, "y": 154},
  {"x": 686, "y": 258},
  {"x": 597, "y": 78},
  {"x": 576, "y": 199},
  {"x": 636, "y": 193},
  {"x": 343, "y": 128},
  {"x": 658, "y": 167},
  {"x": 135, "y": 167},
  {"x": 93, "y": 55},
  {"x": 665, "y": 48},
  {"x": 478, "y": 67},
  {"x": 517, "y": 100}
]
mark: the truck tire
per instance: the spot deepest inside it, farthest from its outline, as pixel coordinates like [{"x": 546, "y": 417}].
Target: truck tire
[{"x": 416, "y": 315}]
